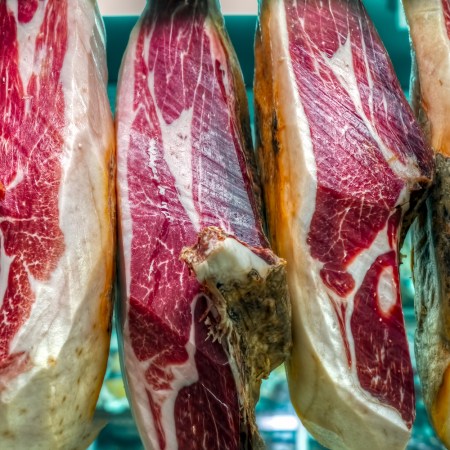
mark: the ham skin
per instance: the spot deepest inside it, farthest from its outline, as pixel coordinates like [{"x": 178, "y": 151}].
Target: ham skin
[{"x": 186, "y": 177}]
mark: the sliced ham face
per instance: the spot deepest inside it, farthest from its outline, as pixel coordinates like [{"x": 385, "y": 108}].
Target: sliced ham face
[
  {"x": 429, "y": 24},
  {"x": 340, "y": 154},
  {"x": 56, "y": 222},
  {"x": 184, "y": 164}
]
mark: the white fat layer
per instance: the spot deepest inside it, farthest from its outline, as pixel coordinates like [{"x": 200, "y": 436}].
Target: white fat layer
[
  {"x": 184, "y": 375},
  {"x": 386, "y": 290},
  {"x": 126, "y": 115},
  {"x": 360, "y": 265},
  {"x": 82, "y": 211},
  {"x": 230, "y": 261},
  {"x": 5, "y": 263},
  {"x": 177, "y": 147},
  {"x": 341, "y": 64},
  {"x": 340, "y": 391},
  {"x": 358, "y": 270},
  {"x": 177, "y": 144},
  {"x": 152, "y": 156}
]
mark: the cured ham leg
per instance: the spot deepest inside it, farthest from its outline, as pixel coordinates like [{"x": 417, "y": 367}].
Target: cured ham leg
[
  {"x": 56, "y": 222},
  {"x": 184, "y": 165},
  {"x": 340, "y": 155},
  {"x": 429, "y": 24}
]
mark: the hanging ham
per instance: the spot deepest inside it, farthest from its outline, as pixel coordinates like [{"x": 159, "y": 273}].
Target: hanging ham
[
  {"x": 194, "y": 356},
  {"x": 341, "y": 155},
  {"x": 56, "y": 222}
]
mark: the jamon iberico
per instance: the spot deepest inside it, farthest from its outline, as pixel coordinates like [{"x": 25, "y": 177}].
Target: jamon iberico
[
  {"x": 341, "y": 155},
  {"x": 194, "y": 351},
  {"x": 56, "y": 222}
]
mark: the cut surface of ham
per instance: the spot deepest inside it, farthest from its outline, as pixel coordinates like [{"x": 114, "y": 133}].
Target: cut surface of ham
[
  {"x": 56, "y": 222},
  {"x": 340, "y": 154},
  {"x": 184, "y": 163},
  {"x": 429, "y": 24}
]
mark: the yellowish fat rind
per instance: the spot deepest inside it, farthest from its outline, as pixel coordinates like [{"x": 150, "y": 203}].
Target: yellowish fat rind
[{"x": 430, "y": 94}]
